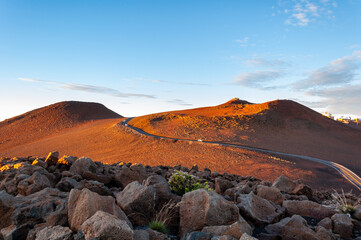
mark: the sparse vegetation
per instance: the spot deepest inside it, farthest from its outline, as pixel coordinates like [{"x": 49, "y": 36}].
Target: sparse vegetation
[
  {"x": 163, "y": 217},
  {"x": 344, "y": 205},
  {"x": 158, "y": 226},
  {"x": 182, "y": 182}
]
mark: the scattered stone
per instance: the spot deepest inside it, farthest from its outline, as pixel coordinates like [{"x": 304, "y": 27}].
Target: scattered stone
[
  {"x": 302, "y": 189},
  {"x": 82, "y": 165},
  {"x": 235, "y": 230},
  {"x": 52, "y": 158},
  {"x": 272, "y": 194},
  {"x": 66, "y": 184},
  {"x": 6, "y": 208},
  {"x": 197, "y": 236},
  {"x": 326, "y": 223},
  {"x": 297, "y": 229},
  {"x": 84, "y": 203},
  {"x": 66, "y": 160},
  {"x": 222, "y": 185},
  {"x": 284, "y": 184},
  {"x": 308, "y": 208},
  {"x": 357, "y": 213},
  {"x": 95, "y": 186},
  {"x": 54, "y": 233},
  {"x": 41, "y": 163},
  {"x": 246, "y": 236},
  {"x": 137, "y": 201},
  {"x": 342, "y": 225},
  {"x": 202, "y": 208},
  {"x": 41, "y": 212},
  {"x": 127, "y": 175},
  {"x": 258, "y": 210},
  {"x": 140, "y": 234},
  {"x": 103, "y": 225},
  {"x": 33, "y": 184}
]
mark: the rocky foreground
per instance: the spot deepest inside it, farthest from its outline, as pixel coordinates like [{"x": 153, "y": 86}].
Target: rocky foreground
[{"x": 71, "y": 198}]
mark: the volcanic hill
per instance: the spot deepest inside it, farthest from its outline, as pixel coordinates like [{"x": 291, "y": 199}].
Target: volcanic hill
[
  {"x": 78, "y": 128},
  {"x": 281, "y": 125},
  {"x": 51, "y": 119}
]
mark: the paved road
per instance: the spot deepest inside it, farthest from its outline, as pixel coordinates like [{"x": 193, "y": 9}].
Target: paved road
[{"x": 350, "y": 176}]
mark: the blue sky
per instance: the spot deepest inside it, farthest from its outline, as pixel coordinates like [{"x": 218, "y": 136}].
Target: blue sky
[{"x": 140, "y": 57}]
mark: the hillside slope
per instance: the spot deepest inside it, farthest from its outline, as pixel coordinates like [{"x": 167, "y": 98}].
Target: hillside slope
[
  {"x": 49, "y": 120},
  {"x": 281, "y": 125}
]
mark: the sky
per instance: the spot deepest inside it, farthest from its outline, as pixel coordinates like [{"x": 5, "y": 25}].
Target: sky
[{"x": 140, "y": 57}]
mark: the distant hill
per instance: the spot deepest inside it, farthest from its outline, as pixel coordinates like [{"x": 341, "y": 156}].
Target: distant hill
[
  {"x": 280, "y": 125},
  {"x": 79, "y": 128},
  {"x": 49, "y": 120}
]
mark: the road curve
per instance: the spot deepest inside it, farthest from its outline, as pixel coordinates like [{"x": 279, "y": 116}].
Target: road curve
[{"x": 350, "y": 176}]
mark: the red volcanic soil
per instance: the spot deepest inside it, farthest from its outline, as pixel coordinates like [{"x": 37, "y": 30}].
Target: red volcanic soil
[
  {"x": 281, "y": 125},
  {"x": 71, "y": 128},
  {"x": 48, "y": 120}
]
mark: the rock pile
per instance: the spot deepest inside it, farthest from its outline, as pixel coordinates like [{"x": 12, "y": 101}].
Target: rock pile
[{"x": 77, "y": 198}]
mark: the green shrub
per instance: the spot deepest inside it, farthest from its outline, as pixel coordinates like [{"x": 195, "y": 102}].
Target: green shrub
[
  {"x": 182, "y": 182},
  {"x": 158, "y": 226}
]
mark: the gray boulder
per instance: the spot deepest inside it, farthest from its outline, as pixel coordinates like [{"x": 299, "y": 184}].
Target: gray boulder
[
  {"x": 272, "y": 194},
  {"x": 235, "y": 230},
  {"x": 258, "y": 210},
  {"x": 137, "y": 201},
  {"x": 222, "y": 185},
  {"x": 308, "y": 209},
  {"x": 127, "y": 175},
  {"x": 202, "y": 208},
  {"x": 284, "y": 184},
  {"x": 84, "y": 203},
  {"x": 54, "y": 233},
  {"x": 33, "y": 184},
  {"x": 103, "y": 225},
  {"x": 342, "y": 224},
  {"x": 82, "y": 165}
]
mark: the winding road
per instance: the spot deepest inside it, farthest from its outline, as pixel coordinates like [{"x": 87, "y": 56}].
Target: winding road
[{"x": 349, "y": 175}]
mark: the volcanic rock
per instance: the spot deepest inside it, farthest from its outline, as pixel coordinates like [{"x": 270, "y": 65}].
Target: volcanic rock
[
  {"x": 202, "y": 208},
  {"x": 52, "y": 158},
  {"x": 103, "y": 225},
  {"x": 84, "y": 203},
  {"x": 272, "y": 194},
  {"x": 284, "y": 184},
  {"x": 82, "y": 165},
  {"x": 222, "y": 185},
  {"x": 326, "y": 223},
  {"x": 54, "y": 233},
  {"x": 127, "y": 175},
  {"x": 342, "y": 224},
  {"x": 137, "y": 201},
  {"x": 235, "y": 230},
  {"x": 307, "y": 208},
  {"x": 258, "y": 210}
]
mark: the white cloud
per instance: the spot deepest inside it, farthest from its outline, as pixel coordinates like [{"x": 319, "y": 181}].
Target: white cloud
[
  {"x": 340, "y": 100},
  {"x": 257, "y": 79},
  {"x": 89, "y": 88},
  {"x": 263, "y": 62},
  {"x": 338, "y": 72},
  {"x": 303, "y": 12},
  {"x": 244, "y": 42}
]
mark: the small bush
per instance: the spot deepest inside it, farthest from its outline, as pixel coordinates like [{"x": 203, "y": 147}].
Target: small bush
[
  {"x": 158, "y": 226},
  {"x": 182, "y": 182}
]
